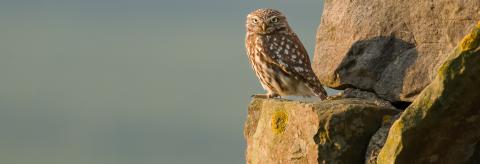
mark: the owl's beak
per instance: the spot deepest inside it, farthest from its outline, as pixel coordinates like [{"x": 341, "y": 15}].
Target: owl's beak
[{"x": 264, "y": 27}]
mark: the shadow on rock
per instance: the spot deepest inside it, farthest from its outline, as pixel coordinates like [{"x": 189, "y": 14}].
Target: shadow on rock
[{"x": 377, "y": 65}]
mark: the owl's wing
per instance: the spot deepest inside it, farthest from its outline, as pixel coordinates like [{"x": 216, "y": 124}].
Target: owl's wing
[{"x": 291, "y": 57}]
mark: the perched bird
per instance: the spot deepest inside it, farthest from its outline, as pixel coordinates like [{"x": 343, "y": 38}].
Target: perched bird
[{"x": 278, "y": 57}]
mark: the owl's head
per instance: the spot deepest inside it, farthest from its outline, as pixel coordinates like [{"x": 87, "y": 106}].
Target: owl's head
[{"x": 266, "y": 21}]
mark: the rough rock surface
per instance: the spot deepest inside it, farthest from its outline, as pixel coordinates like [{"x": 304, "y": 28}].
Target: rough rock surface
[
  {"x": 356, "y": 93},
  {"x": 393, "y": 48},
  {"x": 378, "y": 140},
  {"x": 442, "y": 125},
  {"x": 330, "y": 131}
]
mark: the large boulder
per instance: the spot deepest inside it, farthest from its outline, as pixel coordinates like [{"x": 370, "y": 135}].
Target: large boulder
[
  {"x": 442, "y": 125},
  {"x": 330, "y": 131},
  {"x": 393, "y": 48}
]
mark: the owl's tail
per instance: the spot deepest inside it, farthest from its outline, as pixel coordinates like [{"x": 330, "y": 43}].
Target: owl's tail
[
  {"x": 321, "y": 93},
  {"x": 318, "y": 90}
]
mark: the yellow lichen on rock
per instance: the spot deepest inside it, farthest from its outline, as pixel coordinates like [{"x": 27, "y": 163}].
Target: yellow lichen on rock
[
  {"x": 432, "y": 127},
  {"x": 279, "y": 121},
  {"x": 289, "y": 131},
  {"x": 472, "y": 40}
]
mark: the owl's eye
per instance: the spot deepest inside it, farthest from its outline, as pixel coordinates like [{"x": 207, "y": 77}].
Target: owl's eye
[
  {"x": 254, "y": 20},
  {"x": 274, "y": 20}
]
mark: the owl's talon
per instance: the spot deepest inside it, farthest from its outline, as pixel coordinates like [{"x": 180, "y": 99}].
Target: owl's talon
[
  {"x": 272, "y": 95},
  {"x": 263, "y": 96}
]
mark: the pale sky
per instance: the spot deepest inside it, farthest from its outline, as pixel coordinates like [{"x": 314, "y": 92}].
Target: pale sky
[{"x": 130, "y": 82}]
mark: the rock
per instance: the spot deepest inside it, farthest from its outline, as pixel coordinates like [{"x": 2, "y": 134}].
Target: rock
[
  {"x": 330, "y": 131},
  {"x": 378, "y": 140},
  {"x": 442, "y": 125},
  {"x": 356, "y": 93},
  {"x": 393, "y": 48}
]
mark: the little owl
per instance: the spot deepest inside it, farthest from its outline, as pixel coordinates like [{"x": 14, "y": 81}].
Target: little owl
[{"x": 278, "y": 57}]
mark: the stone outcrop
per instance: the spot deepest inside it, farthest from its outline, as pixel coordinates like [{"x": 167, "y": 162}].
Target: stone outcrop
[
  {"x": 393, "y": 48},
  {"x": 442, "y": 125},
  {"x": 405, "y": 53},
  {"x": 378, "y": 140},
  {"x": 356, "y": 93},
  {"x": 330, "y": 131}
]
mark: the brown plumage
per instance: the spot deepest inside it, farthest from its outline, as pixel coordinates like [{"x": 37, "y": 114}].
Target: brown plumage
[{"x": 278, "y": 57}]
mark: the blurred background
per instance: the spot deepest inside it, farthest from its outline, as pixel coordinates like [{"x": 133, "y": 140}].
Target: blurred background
[{"x": 130, "y": 82}]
